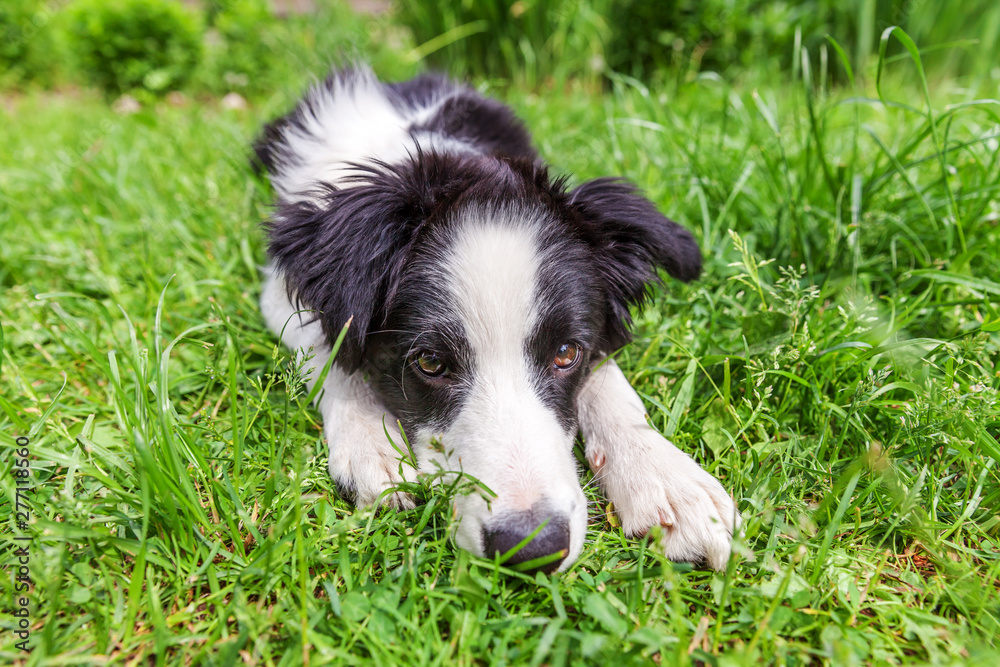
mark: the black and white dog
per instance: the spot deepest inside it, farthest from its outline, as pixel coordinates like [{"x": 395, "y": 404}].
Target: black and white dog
[{"x": 484, "y": 299}]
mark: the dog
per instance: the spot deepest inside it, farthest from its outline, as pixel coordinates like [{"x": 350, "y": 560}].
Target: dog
[{"x": 484, "y": 300}]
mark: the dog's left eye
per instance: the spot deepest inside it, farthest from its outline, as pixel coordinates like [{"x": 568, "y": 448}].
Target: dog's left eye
[
  {"x": 429, "y": 364},
  {"x": 567, "y": 357}
]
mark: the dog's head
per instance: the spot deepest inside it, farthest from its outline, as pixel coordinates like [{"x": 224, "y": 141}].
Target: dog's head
[{"x": 481, "y": 292}]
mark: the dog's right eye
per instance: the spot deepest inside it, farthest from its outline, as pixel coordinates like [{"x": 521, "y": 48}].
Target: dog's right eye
[
  {"x": 567, "y": 356},
  {"x": 429, "y": 364}
]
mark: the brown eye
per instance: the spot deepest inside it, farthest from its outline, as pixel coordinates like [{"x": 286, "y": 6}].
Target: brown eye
[
  {"x": 429, "y": 364},
  {"x": 567, "y": 357}
]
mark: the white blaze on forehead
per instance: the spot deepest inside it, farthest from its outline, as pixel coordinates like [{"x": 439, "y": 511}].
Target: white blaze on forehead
[
  {"x": 492, "y": 270},
  {"x": 505, "y": 436}
]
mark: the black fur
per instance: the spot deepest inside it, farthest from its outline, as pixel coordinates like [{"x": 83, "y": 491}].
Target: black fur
[
  {"x": 465, "y": 114},
  {"x": 485, "y": 123},
  {"x": 344, "y": 255},
  {"x": 368, "y": 252},
  {"x": 630, "y": 238},
  {"x": 423, "y": 90}
]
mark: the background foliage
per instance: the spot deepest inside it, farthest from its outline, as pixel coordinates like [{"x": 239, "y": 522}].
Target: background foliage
[
  {"x": 124, "y": 45},
  {"x": 243, "y": 45}
]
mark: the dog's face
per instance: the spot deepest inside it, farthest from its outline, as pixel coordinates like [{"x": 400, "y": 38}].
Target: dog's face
[
  {"x": 481, "y": 293},
  {"x": 483, "y": 352}
]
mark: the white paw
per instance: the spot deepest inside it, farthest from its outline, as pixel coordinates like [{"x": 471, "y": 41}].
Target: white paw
[
  {"x": 651, "y": 482},
  {"x": 364, "y": 465}
]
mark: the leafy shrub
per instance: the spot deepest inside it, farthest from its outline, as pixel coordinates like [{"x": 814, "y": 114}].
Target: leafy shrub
[
  {"x": 125, "y": 45},
  {"x": 713, "y": 34},
  {"x": 510, "y": 38},
  {"x": 15, "y": 23},
  {"x": 536, "y": 38},
  {"x": 243, "y": 55},
  {"x": 250, "y": 50},
  {"x": 27, "y": 51}
]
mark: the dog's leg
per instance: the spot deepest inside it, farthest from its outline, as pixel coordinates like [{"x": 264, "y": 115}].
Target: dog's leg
[
  {"x": 363, "y": 463},
  {"x": 648, "y": 479}
]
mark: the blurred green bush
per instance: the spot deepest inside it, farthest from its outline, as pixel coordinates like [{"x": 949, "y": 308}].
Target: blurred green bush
[
  {"x": 243, "y": 43},
  {"x": 708, "y": 34},
  {"x": 511, "y": 38},
  {"x": 218, "y": 46},
  {"x": 128, "y": 45},
  {"x": 521, "y": 38},
  {"x": 27, "y": 47},
  {"x": 16, "y": 26}
]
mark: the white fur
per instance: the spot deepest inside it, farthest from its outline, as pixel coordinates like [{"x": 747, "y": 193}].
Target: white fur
[
  {"x": 504, "y": 435},
  {"x": 353, "y": 121},
  {"x": 353, "y": 417},
  {"x": 650, "y": 481}
]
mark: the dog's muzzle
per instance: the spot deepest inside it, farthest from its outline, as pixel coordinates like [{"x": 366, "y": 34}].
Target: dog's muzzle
[{"x": 508, "y": 529}]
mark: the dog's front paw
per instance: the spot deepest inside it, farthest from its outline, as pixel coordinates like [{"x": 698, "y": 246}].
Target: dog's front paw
[
  {"x": 364, "y": 465},
  {"x": 651, "y": 482}
]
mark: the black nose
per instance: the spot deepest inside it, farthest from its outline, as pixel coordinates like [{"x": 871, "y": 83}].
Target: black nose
[{"x": 508, "y": 529}]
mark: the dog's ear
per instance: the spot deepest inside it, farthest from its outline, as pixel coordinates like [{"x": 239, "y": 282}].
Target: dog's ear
[
  {"x": 342, "y": 250},
  {"x": 630, "y": 239}
]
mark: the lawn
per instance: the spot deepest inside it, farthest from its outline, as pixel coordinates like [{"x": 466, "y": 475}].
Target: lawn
[{"x": 836, "y": 367}]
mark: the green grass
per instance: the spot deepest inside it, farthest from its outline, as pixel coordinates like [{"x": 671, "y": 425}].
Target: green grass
[{"x": 836, "y": 367}]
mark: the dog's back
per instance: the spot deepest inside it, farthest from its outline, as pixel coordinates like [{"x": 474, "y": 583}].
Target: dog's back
[{"x": 351, "y": 118}]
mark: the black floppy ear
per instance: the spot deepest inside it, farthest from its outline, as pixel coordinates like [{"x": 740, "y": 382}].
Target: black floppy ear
[
  {"x": 342, "y": 250},
  {"x": 630, "y": 239}
]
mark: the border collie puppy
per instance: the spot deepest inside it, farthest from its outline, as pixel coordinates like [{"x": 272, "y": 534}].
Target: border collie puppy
[{"x": 484, "y": 299}]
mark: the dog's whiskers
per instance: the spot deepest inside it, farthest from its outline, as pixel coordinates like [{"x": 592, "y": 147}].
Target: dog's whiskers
[{"x": 596, "y": 478}]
